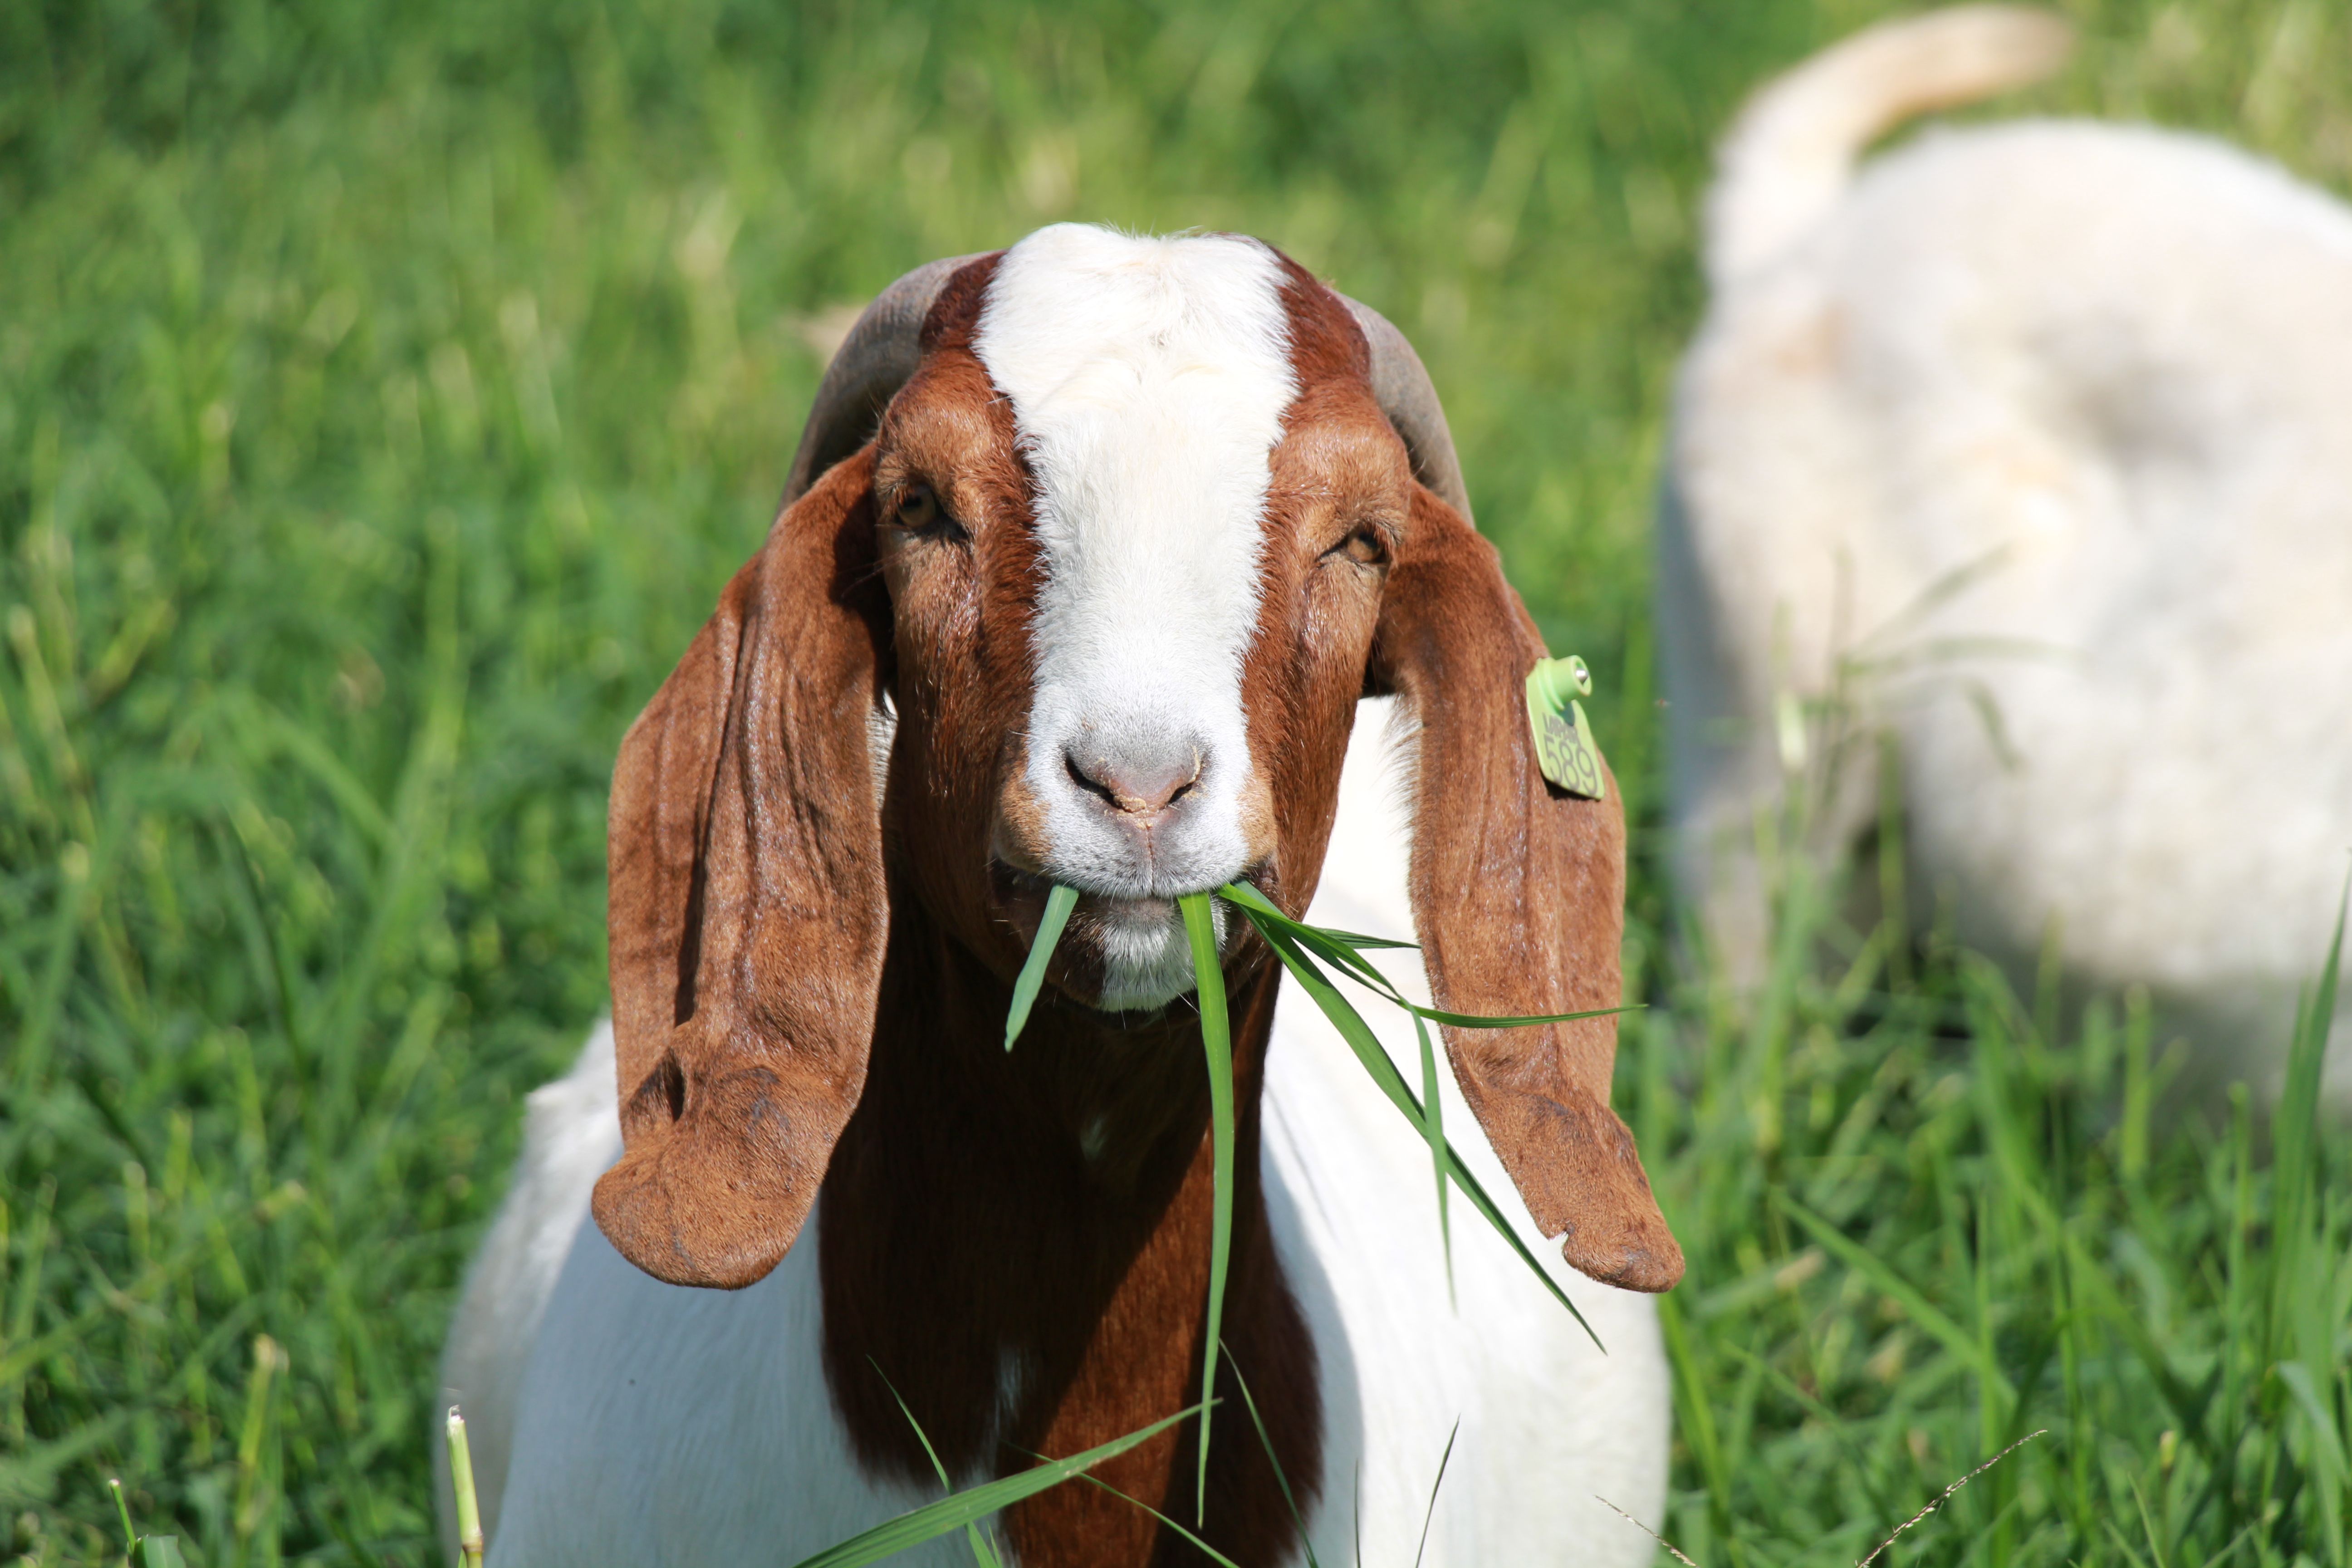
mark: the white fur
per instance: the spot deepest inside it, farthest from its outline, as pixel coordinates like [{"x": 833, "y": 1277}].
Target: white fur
[
  {"x": 1148, "y": 378},
  {"x": 1548, "y": 1422},
  {"x": 1791, "y": 157},
  {"x": 2053, "y": 421},
  {"x": 655, "y": 1423},
  {"x": 572, "y": 1132}
]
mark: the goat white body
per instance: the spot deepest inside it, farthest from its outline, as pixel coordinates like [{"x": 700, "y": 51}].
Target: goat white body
[
  {"x": 651, "y": 1424},
  {"x": 2032, "y": 446}
]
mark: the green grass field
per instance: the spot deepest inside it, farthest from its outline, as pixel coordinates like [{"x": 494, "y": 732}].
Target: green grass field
[{"x": 385, "y": 392}]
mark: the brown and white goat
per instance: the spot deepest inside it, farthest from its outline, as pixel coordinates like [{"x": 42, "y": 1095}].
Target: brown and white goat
[{"x": 1091, "y": 548}]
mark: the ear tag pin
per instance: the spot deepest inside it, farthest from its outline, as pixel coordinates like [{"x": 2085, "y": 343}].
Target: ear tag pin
[{"x": 1565, "y": 749}]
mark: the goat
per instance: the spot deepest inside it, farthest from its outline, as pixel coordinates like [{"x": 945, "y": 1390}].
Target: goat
[
  {"x": 1090, "y": 551},
  {"x": 2030, "y": 446}
]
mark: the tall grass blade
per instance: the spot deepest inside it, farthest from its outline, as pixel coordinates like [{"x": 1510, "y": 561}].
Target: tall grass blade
[
  {"x": 1432, "y": 1120},
  {"x": 981, "y": 1552},
  {"x": 1964, "y": 1346},
  {"x": 122, "y": 1511},
  {"x": 1340, "y": 955},
  {"x": 1341, "y": 950},
  {"x": 1280, "y": 1477},
  {"x": 461, "y": 1483},
  {"x": 1431, "y": 1513},
  {"x": 1375, "y": 1059},
  {"x": 934, "y": 1520},
  {"x": 2307, "y": 1324},
  {"x": 1358, "y": 1512},
  {"x": 2326, "y": 1443},
  {"x": 2188, "y": 1404},
  {"x": 1694, "y": 1395},
  {"x": 1369, "y": 943},
  {"x": 2296, "y": 1125},
  {"x": 1244, "y": 893},
  {"x": 1032, "y": 979},
  {"x": 144, "y": 1550},
  {"x": 1212, "y": 1552},
  {"x": 1217, "y": 1045}
]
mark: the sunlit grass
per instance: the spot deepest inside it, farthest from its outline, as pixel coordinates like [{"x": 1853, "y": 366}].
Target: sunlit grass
[
  {"x": 385, "y": 393},
  {"x": 1930, "y": 1220},
  {"x": 467, "y": 1501}
]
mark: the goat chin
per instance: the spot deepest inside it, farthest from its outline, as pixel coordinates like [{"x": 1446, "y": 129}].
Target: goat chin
[
  {"x": 1146, "y": 958},
  {"x": 617, "y": 1419},
  {"x": 2030, "y": 448}
]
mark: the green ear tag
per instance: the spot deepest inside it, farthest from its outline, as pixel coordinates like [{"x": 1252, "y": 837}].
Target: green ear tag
[{"x": 1564, "y": 744}]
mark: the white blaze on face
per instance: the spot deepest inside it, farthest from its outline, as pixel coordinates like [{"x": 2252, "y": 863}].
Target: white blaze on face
[{"x": 1147, "y": 379}]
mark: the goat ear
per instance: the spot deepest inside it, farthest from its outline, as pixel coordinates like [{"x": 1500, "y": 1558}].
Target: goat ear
[
  {"x": 748, "y": 911},
  {"x": 1518, "y": 894}
]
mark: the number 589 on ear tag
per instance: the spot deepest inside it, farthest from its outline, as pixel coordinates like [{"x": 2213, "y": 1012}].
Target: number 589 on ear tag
[{"x": 1564, "y": 744}]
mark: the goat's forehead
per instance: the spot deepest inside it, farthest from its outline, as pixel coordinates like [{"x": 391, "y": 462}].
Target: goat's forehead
[
  {"x": 1083, "y": 325},
  {"x": 1148, "y": 380}
]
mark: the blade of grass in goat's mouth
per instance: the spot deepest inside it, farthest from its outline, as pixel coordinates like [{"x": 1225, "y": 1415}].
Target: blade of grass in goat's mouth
[
  {"x": 1298, "y": 945},
  {"x": 1059, "y": 902},
  {"x": 1217, "y": 1048}
]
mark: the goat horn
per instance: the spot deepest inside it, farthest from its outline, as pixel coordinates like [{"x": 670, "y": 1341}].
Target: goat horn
[
  {"x": 1405, "y": 395},
  {"x": 872, "y": 363}
]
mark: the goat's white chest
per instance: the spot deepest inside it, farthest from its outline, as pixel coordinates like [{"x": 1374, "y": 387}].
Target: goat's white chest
[{"x": 666, "y": 1424}]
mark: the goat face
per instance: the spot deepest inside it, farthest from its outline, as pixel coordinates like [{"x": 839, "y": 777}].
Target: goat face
[
  {"x": 1133, "y": 528},
  {"x": 1140, "y": 520}
]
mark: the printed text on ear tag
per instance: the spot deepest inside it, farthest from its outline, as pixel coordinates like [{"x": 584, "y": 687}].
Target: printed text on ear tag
[{"x": 1564, "y": 745}]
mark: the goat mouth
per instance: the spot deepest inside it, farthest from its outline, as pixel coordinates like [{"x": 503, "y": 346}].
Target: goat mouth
[
  {"x": 1104, "y": 930},
  {"x": 1020, "y": 898}
]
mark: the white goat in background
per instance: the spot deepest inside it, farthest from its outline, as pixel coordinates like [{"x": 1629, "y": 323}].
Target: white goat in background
[{"x": 2031, "y": 447}]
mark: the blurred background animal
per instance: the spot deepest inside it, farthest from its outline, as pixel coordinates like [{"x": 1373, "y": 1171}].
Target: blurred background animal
[{"x": 2028, "y": 446}]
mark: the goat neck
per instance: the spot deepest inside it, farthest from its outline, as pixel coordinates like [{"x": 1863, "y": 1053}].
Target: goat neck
[{"x": 1019, "y": 1244}]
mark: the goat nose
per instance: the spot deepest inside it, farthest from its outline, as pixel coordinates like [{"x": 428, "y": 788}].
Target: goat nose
[{"x": 1135, "y": 781}]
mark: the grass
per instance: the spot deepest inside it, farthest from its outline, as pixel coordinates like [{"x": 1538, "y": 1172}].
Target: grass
[
  {"x": 384, "y": 394},
  {"x": 1932, "y": 1219}
]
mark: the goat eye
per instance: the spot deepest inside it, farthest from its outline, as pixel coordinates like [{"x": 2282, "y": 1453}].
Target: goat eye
[
  {"x": 919, "y": 509},
  {"x": 1363, "y": 547}
]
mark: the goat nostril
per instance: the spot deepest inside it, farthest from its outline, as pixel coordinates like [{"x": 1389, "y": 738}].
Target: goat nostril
[
  {"x": 1187, "y": 784},
  {"x": 1136, "y": 788},
  {"x": 1087, "y": 781}
]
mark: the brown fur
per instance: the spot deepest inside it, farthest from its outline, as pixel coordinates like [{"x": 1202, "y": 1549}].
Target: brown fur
[
  {"x": 965, "y": 1223},
  {"x": 1517, "y": 889},
  {"x": 747, "y": 912},
  {"x": 1519, "y": 896},
  {"x": 801, "y": 972}
]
